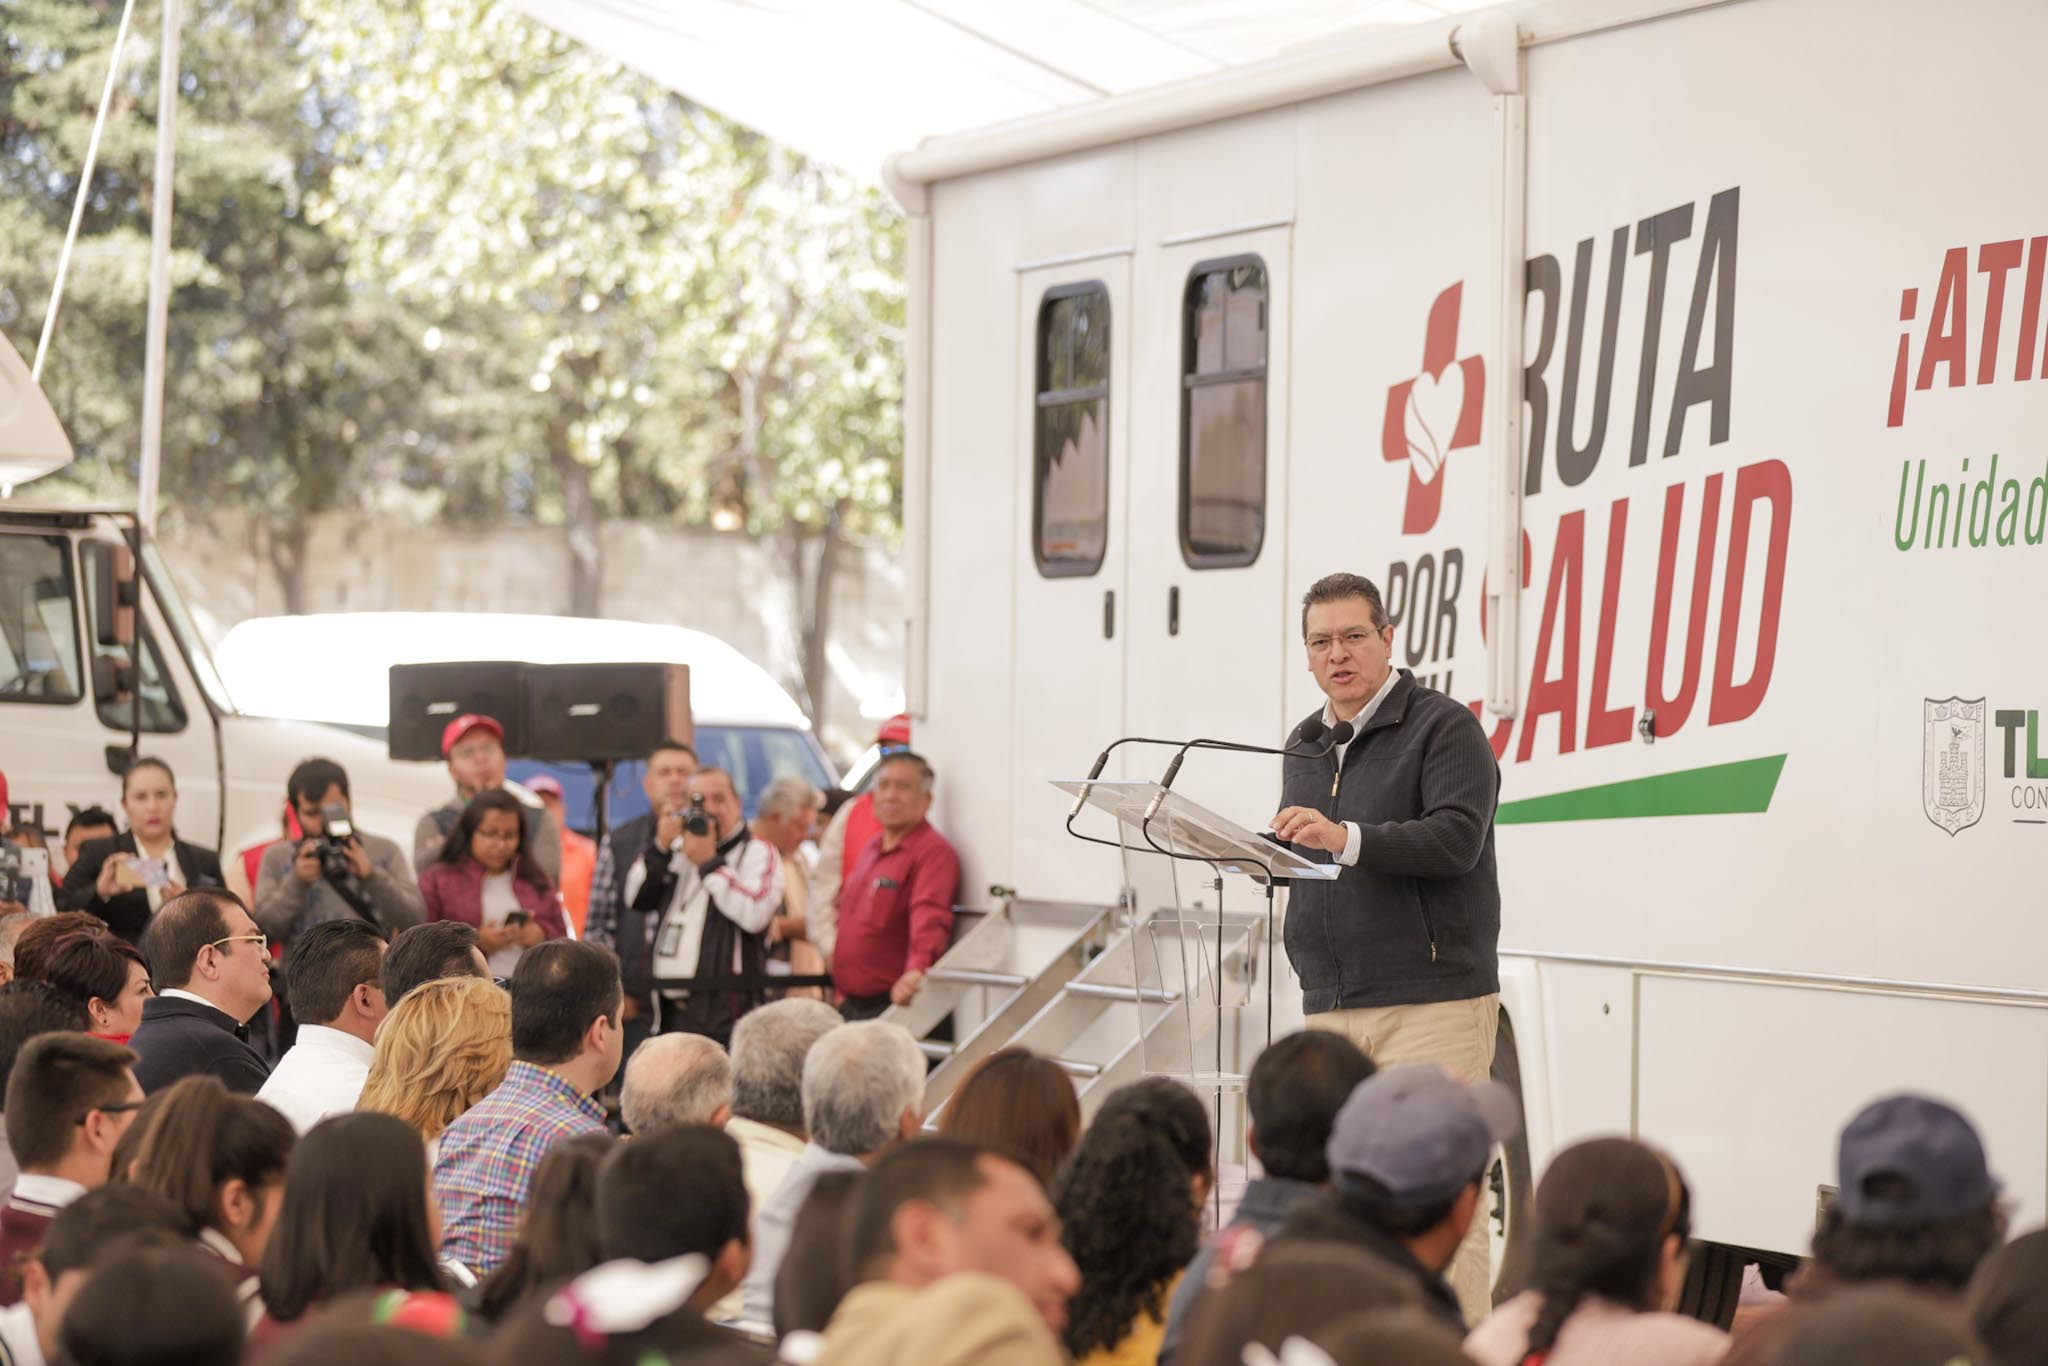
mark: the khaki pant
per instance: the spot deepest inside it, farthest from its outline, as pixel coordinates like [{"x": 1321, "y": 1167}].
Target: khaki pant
[{"x": 1454, "y": 1034}]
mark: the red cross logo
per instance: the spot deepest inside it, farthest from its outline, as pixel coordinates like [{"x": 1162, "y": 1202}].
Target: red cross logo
[{"x": 1435, "y": 413}]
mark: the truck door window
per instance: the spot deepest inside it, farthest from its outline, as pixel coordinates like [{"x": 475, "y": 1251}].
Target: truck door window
[
  {"x": 1223, "y": 413},
  {"x": 1070, "y": 445},
  {"x": 39, "y": 659},
  {"x": 162, "y": 712}
]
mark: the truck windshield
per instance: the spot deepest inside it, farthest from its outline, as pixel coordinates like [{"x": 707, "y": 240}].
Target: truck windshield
[{"x": 164, "y": 589}]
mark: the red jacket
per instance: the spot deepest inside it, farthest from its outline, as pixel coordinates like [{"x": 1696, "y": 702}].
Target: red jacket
[
  {"x": 895, "y": 910},
  {"x": 455, "y": 891}
]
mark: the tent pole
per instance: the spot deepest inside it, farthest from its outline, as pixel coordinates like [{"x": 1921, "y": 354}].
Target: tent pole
[{"x": 159, "y": 273}]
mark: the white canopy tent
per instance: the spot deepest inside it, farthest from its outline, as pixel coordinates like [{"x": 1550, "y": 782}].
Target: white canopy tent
[{"x": 850, "y": 81}]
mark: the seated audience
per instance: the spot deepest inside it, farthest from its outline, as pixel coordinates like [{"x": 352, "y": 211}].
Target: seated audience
[
  {"x": 88, "y": 1229},
  {"x": 1918, "y": 1207},
  {"x": 211, "y": 968},
  {"x": 565, "y": 1049},
  {"x": 863, "y": 1091},
  {"x": 358, "y": 1214},
  {"x": 487, "y": 878},
  {"x": 1875, "y": 1325},
  {"x": 333, "y": 979},
  {"x": 153, "y": 1304},
  {"x": 1130, "y": 1204},
  {"x": 817, "y": 1271},
  {"x": 1305, "y": 1291},
  {"x": 126, "y": 879},
  {"x": 1019, "y": 1103},
  {"x": 958, "y": 1258},
  {"x": 33, "y": 943},
  {"x": 350, "y": 1340},
  {"x": 677, "y": 1079},
  {"x": 1296, "y": 1087},
  {"x": 1612, "y": 1221},
  {"x": 221, "y": 1160},
  {"x": 626, "y": 1313},
  {"x": 2007, "y": 1302},
  {"x": 425, "y": 953},
  {"x": 69, "y": 1100},
  {"x": 474, "y": 747},
  {"x": 11, "y": 926},
  {"x": 366, "y": 880},
  {"x": 444, "y": 1047},
  {"x": 1408, "y": 1156},
  {"x": 28, "y": 1008},
  {"x": 676, "y": 1193},
  {"x": 103, "y": 973},
  {"x": 1412, "y": 1337},
  {"x": 769, "y": 1046},
  {"x": 558, "y": 1230}
]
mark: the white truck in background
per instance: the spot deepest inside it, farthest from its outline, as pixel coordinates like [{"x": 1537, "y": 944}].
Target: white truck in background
[
  {"x": 65, "y": 735},
  {"x": 1765, "y": 530}
]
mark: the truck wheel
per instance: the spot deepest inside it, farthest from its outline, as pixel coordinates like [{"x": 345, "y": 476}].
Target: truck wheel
[
  {"x": 1713, "y": 1283},
  {"x": 1509, "y": 1181}
]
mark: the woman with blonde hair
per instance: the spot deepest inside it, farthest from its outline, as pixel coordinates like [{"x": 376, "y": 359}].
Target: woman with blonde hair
[{"x": 442, "y": 1049}]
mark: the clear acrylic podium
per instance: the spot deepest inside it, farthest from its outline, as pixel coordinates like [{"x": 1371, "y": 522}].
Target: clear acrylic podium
[{"x": 1181, "y": 979}]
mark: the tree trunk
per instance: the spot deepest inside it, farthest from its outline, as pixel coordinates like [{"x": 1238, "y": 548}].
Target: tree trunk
[
  {"x": 286, "y": 547},
  {"x": 579, "y": 524},
  {"x": 813, "y": 561}
]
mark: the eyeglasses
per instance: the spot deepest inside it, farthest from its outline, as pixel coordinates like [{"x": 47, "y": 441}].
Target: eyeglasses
[
  {"x": 1353, "y": 640},
  {"x": 261, "y": 941},
  {"x": 122, "y": 1108}
]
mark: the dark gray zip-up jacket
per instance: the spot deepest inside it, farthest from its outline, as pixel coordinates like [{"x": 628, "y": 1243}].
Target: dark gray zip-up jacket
[{"x": 1417, "y": 920}]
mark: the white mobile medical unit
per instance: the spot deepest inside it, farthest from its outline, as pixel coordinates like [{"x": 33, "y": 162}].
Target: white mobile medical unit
[{"x": 1727, "y": 322}]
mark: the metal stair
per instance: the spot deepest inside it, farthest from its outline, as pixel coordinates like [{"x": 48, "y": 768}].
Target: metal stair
[{"x": 1108, "y": 997}]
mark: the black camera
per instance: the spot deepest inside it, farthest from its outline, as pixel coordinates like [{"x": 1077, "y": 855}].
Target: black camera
[
  {"x": 696, "y": 820},
  {"x": 336, "y": 830}
]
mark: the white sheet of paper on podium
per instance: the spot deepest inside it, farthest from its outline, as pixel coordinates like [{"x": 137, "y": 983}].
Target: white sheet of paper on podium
[{"x": 1181, "y": 826}]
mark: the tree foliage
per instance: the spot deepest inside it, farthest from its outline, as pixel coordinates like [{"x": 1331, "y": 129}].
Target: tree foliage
[{"x": 434, "y": 258}]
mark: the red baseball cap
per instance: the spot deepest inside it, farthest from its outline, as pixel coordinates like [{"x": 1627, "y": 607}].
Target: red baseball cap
[
  {"x": 895, "y": 730},
  {"x": 463, "y": 725}
]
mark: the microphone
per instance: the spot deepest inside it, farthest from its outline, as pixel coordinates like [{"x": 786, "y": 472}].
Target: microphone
[
  {"x": 1088, "y": 784},
  {"x": 1312, "y": 730}
]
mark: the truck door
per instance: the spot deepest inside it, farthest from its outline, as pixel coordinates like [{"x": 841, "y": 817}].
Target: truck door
[
  {"x": 1211, "y": 633},
  {"x": 1071, "y": 608}
]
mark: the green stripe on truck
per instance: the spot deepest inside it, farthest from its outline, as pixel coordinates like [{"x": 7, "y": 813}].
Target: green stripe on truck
[{"x": 1717, "y": 790}]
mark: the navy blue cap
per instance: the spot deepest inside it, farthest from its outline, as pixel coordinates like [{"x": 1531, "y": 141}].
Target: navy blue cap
[{"x": 1910, "y": 1160}]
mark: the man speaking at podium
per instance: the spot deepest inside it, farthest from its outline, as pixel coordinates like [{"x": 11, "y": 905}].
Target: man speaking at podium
[{"x": 1400, "y": 951}]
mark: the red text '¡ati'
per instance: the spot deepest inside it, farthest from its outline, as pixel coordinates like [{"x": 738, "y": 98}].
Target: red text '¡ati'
[{"x": 1945, "y": 334}]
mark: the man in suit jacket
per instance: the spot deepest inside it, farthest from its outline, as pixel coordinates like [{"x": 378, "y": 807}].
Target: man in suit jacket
[
  {"x": 68, "y": 1103},
  {"x": 94, "y": 882},
  {"x": 211, "y": 968}
]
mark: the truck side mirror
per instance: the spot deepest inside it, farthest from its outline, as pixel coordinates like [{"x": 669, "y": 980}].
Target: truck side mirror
[
  {"x": 113, "y": 680},
  {"x": 113, "y": 596}
]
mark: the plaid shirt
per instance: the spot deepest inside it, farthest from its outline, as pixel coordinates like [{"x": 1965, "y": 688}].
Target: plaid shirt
[
  {"x": 601, "y": 925},
  {"x": 488, "y": 1157}
]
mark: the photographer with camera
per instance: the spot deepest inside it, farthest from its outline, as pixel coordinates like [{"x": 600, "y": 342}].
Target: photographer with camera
[
  {"x": 715, "y": 889},
  {"x": 334, "y": 871}
]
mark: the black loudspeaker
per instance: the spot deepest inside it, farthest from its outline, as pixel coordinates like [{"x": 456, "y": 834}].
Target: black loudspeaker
[
  {"x": 426, "y": 697},
  {"x": 587, "y": 713}
]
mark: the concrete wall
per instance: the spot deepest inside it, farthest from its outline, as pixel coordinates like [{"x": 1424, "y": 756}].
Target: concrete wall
[{"x": 722, "y": 583}]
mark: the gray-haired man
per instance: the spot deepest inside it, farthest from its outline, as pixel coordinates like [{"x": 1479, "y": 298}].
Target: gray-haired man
[
  {"x": 676, "y": 1079},
  {"x": 863, "y": 1092}
]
